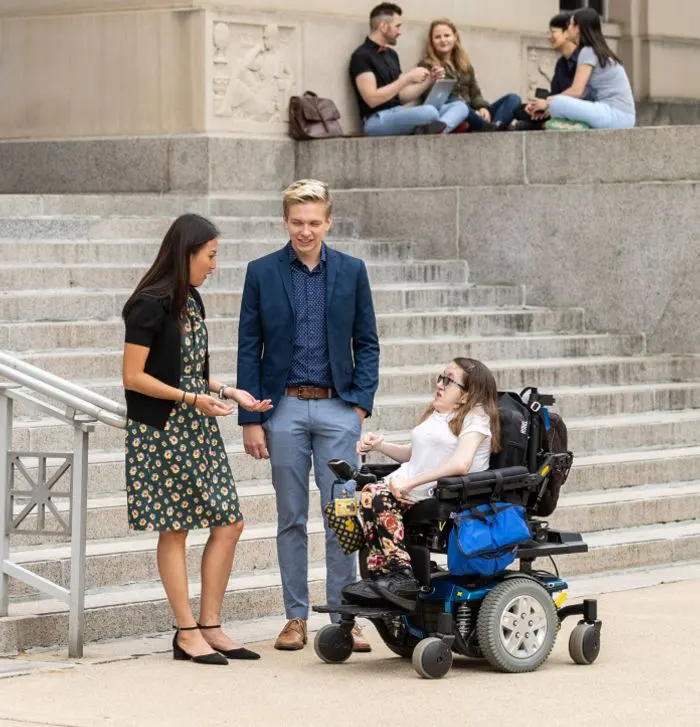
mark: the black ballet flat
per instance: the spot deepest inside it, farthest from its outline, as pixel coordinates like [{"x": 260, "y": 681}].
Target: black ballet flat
[
  {"x": 241, "y": 653},
  {"x": 179, "y": 654}
]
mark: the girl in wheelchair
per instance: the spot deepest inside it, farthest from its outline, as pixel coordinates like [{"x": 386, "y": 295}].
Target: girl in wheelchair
[{"x": 455, "y": 436}]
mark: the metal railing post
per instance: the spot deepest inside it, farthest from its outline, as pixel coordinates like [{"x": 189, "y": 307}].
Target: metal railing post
[
  {"x": 83, "y": 409},
  {"x": 5, "y": 514},
  {"x": 76, "y": 606}
]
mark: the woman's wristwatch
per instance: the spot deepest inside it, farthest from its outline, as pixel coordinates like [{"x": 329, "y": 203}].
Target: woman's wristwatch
[{"x": 222, "y": 392}]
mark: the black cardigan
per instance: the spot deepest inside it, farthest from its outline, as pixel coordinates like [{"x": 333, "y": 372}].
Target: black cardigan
[{"x": 150, "y": 324}]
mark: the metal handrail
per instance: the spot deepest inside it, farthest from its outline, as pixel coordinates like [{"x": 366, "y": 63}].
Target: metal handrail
[
  {"x": 83, "y": 409},
  {"x": 77, "y": 397}
]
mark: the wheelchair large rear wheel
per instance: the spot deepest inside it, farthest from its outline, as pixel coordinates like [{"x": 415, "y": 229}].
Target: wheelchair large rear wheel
[{"x": 517, "y": 625}]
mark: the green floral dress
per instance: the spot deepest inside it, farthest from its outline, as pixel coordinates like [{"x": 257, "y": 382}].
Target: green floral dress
[{"x": 178, "y": 478}]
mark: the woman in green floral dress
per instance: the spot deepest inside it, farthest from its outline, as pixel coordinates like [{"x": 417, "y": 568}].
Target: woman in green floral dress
[{"x": 177, "y": 473}]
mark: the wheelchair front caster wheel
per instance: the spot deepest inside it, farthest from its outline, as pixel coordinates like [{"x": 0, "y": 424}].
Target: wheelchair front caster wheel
[
  {"x": 432, "y": 658},
  {"x": 333, "y": 644},
  {"x": 584, "y": 643}
]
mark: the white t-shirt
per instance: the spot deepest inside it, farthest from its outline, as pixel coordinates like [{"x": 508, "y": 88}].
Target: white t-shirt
[{"x": 432, "y": 444}]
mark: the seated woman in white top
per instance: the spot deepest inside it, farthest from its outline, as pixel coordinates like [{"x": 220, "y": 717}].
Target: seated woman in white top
[
  {"x": 455, "y": 435},
  {"x": 600, "y": 71}
]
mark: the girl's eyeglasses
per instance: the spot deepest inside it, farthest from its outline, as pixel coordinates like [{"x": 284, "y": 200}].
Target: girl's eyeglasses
[{"x": 446, "y": 381}]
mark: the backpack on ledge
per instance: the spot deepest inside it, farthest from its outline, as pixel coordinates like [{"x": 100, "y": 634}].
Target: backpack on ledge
[{"x": 311, "y": 117}]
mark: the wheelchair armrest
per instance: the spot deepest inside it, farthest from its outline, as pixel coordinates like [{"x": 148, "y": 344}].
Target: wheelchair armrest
[{"x": 487, "y": 482}]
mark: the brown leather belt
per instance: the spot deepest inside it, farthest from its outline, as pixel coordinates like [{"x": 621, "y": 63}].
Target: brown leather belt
[{"x": 310, "y": 392}]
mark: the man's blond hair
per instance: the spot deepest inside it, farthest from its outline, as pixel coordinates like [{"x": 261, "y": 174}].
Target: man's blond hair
[{"x": 307, "y": 190}]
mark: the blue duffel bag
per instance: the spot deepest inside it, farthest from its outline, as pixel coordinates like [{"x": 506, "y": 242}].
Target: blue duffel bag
[{"x": 484, "y": 538}]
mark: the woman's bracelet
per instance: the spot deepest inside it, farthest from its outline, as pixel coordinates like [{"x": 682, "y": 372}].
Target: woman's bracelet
[
  {"x": 222, "y": 392},
  {"x": 194, "y": 403},
  {"x": 184, "y": 394}
]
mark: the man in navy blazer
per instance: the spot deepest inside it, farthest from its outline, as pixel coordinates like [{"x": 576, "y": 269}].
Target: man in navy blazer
[{"x": 307, "y": 340}]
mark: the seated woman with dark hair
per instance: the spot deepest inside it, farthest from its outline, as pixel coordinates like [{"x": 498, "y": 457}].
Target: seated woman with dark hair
[
  {"x": 600, "y": 73},
  {"x": 455, "y": 436}
]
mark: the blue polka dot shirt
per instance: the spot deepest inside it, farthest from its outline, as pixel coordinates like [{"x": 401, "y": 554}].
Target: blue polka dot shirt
[{"x": 311, "y": 362}]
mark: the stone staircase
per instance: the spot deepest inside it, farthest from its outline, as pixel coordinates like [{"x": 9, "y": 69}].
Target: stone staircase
[{"x": 67, "y": 263}]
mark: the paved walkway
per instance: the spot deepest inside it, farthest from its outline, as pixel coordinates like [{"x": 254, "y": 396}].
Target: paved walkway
[{"x": 648, "y": 674}]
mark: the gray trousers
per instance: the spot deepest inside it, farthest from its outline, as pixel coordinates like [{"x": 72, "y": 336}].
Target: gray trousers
[{"x": 297, "y": 433}]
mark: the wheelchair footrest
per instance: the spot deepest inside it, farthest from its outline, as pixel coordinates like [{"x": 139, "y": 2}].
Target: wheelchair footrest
[{"x": 350, "y": 609}]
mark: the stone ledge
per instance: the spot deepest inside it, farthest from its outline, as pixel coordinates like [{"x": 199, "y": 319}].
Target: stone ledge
[
  {"x": 203, "y": 164},
  {"x": 183, "y": 163}
]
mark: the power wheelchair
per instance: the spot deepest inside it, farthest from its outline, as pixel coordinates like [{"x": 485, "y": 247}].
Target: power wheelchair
[{"x": 511, "y": 619}]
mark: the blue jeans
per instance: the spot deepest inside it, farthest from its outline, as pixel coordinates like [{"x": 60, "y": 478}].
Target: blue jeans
[
  {"x": 502, "y": 112},
  {"x": 405, "y": 119},
  {"x": 298, "y": 431},
  {"x": 596, "y": 114}
]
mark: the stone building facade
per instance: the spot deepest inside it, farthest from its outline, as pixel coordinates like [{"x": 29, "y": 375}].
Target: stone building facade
[{"x": 105, "y": 68}]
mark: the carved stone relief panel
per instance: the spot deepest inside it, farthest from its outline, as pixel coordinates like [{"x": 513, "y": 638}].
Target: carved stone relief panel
[
  {"x": 255, "y": 69},
  {"x": 539, "y": 68}
]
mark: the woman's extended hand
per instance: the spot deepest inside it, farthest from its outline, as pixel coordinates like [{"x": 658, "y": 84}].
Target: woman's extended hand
[
  {"x": 211, "y": 406},
  {"x": 370, "y": 442},
  {"x": 437, "y": 73},
  {"x": 538, "y": 106},
  {"x": 400, "y": 489},
  {"x": 248, "y": 401}
]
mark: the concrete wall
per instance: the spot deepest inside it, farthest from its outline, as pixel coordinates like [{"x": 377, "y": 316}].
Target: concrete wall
[
  {"x": 605, "y": 220},
  {"x": 101, "y": 74}
]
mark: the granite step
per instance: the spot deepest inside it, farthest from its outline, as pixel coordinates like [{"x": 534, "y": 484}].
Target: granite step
[
  {"x": 611, "y": 470},
  {"x": 572, "y": 401},
  {"x": 227, "y": 276},
  {"x": 80, "y": 252},
  {"x": 589, "y": 435},
  {"x": 141, "y": 607},
  {"x": 625, "y": 506},
  {"x": 107, "y": 512},
  {"x": 34, "y": 335},
  {"x": 636, "y": 467},
  {"x": 89, "y": 227},
  {"x": 124, "y": 560},
  {"x": 611, "y": 384},
  {"x": 104, "y": 205},
  {"x": 394, "y": 412},
  {"x": 99, "y": 361},
  {"x": 82, "y": 306}
]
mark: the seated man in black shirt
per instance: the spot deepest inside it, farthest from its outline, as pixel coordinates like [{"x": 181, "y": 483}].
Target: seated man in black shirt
[{"x": 381, "y": 88}]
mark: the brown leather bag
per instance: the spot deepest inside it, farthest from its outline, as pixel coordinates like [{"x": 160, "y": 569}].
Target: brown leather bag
[{"x": 311, "y": 117}]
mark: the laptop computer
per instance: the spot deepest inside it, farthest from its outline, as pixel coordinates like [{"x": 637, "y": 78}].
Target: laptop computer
[{"x": 440, "y": 92}]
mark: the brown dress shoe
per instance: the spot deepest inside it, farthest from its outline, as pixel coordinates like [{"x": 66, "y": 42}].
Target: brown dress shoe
[
  {"x": 359, "y": 642},
  {"x": 293, "y": 635}
]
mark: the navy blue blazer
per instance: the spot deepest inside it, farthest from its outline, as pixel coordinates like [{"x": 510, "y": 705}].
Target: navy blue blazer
[{"x": 267, "y": 324}]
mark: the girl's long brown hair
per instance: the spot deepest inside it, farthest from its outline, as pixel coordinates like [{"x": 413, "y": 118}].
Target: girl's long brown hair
[
  {"x": 481, "y": 391},
  {"x": 169, "y": 276},
  {"x": 458, "y": 61}
]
